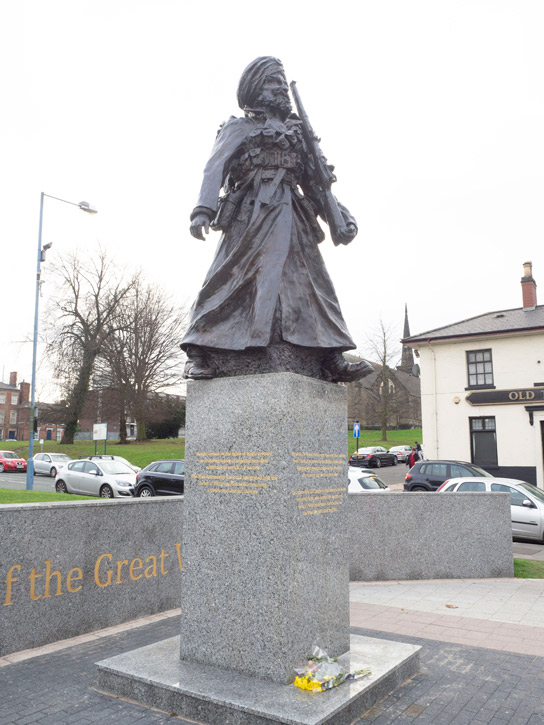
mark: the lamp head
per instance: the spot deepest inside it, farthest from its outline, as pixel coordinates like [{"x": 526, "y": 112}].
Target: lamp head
[{"x": 85, "y": 206}]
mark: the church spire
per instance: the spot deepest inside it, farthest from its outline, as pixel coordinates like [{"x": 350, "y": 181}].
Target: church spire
[
  {"x": 407, "y": 360},
  {"x": 406, "y": 332}
]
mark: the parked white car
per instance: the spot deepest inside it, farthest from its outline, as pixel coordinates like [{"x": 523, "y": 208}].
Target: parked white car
[
  {"x": 402, "y": 452},
  {"x": 361, "y": 481},
  {"x": 49, "y": 464},
  {"x": 526, "y": 501},
  {"x": 107, "y": 479}
]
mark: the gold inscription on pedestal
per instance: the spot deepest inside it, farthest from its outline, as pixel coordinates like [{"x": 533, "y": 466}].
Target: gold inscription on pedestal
[
  {"x": 313, "y": 501},
  {"x": 222, "y": 464}
]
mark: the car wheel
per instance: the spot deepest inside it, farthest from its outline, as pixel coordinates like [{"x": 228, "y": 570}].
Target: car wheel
[
  {"x": 1, "y": 468},
  {"x": 53, "y": 472},
  {"x": 395, "y": 461},
  {"x": 60, "y": 487},
  {"x": 106, "y": 492},
  {"x": 418, "y": 488},
  {"x": 378, "y": 463},
  {"x": 146, "y": 492}
]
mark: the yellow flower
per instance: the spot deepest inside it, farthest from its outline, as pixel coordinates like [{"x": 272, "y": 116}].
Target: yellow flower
[{"x": 306, "y": 683}]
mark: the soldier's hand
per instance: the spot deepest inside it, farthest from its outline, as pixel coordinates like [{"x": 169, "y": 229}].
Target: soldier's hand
[
  {"x": 348, "y": 233},
  {"x": 199, "y": 224}
]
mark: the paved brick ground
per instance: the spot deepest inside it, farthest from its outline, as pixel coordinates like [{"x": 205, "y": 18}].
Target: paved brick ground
[
  {"x": 461, "y": 685},
  {"x": 457, "y": 684}
]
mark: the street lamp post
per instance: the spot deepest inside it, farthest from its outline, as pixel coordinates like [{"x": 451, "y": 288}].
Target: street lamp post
[{"x": 84, "y": 206}]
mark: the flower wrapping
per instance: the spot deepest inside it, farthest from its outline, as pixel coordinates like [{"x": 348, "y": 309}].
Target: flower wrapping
[{"x": 322, "y": 672}]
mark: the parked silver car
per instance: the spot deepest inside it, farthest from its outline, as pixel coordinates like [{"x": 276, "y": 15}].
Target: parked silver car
[
  {"x": 526, "y": 501},
  {"x": 107, "y": 457},
  {"x": 49, "y": 464},
  {"x": 107, "y": 479},
  {"x": 401, "y": 452}
]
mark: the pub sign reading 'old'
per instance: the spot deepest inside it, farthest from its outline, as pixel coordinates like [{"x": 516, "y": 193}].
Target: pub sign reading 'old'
[{"x": 506, "y": 397}]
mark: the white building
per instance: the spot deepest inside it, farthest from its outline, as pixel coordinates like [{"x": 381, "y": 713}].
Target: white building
[{"x": 482, "y": 389}]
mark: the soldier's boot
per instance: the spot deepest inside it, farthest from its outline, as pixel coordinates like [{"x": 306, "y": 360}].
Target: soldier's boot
[
  {"x": 197, "y": 367},
  {"x": 337, "y": 369}
]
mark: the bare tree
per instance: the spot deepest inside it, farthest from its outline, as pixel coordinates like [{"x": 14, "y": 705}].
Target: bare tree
[
  {"x": 84, "y": 313},
  {"x": 142, "y": 354},
  {"x": 383, "y": 349}
]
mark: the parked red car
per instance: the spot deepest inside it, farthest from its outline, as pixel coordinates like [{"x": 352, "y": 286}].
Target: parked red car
[{"x": 10, "y": 461}]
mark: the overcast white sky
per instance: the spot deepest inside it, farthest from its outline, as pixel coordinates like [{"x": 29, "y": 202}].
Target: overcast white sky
[{"x": 431, "y": 110}]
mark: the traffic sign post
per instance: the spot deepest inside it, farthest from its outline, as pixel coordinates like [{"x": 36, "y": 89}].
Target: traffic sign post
[{"x": 356, "y": 433}]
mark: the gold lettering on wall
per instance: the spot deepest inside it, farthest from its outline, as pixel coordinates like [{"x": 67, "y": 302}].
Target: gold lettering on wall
[
  {"x": 46, "y": 581},
  {"x": 33, "y": 576},
  {"x": 178, "y": 551},
  {"x": 135, "y": 566},
  {"x": 74, "y": 574},
  {"x": 48, "y": 575},
  {"x": 97, "y": 580}
]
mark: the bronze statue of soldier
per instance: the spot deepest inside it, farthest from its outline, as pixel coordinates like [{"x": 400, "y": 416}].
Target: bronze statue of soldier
[{"x": 267, "y": 303}]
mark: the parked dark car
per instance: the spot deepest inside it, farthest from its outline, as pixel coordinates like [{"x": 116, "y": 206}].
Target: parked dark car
[
  {"x": 161, "y": 478},
  {"x": 430, "y": 475},
  {"x": 374, "y": 457}
]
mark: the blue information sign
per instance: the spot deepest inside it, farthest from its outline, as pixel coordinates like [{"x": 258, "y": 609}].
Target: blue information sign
[{"x": 356, "y": 430}]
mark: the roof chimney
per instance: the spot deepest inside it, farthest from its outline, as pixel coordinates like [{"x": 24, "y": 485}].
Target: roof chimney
[
  {"x": 528, "y": 287},
  {"x": 13, "y": 379}
]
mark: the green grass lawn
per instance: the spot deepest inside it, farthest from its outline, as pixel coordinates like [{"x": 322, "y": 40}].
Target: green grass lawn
[
  {"x": 394, "y": 438},
  {"x": 525, "y": 569},
  {"x": 10, "y": 496},
  {"x": 139, "y": 454}
]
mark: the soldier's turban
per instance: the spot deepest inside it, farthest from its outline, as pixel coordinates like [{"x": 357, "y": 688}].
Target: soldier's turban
[{"x": 253, "y": 77}]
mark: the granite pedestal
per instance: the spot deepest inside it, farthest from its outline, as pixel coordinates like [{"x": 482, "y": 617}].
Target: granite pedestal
[{"x": 265, "y": 566}]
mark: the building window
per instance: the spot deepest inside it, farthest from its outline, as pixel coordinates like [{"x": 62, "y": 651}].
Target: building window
[
  {"x": 13, "y": 417},
  {"x": 483, "y": 441},
  {"x": 390, "y": 388},
  {"x": 2, "y": 398},
  {"x": 2, "y": 416},
  {"x": 14, "y": 399},
  {"x": 480, "y": 369}
]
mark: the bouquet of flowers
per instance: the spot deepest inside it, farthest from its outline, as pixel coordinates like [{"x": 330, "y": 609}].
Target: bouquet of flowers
[{"x": 322, "y": 672}]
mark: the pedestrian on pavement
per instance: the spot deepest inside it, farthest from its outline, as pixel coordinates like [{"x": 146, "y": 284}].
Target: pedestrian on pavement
[{"x": 412, "y": 458}]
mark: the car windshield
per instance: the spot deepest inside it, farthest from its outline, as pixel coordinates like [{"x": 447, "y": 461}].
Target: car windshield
[
  {"x": 533, "y": 490},
  {"x": 372, "y": 482},
  {"x": 60, "y": 457},
  {"x": 480, "y": 471},
  {"x": 9, "y": 454},
  {"x": 365, "y": 450},
  {"x": 115, "y": 467}
]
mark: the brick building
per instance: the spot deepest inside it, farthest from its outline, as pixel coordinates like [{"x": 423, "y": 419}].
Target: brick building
[
  {"x": 15, "y": 414},
  {"x": 103, "y": 406}
]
